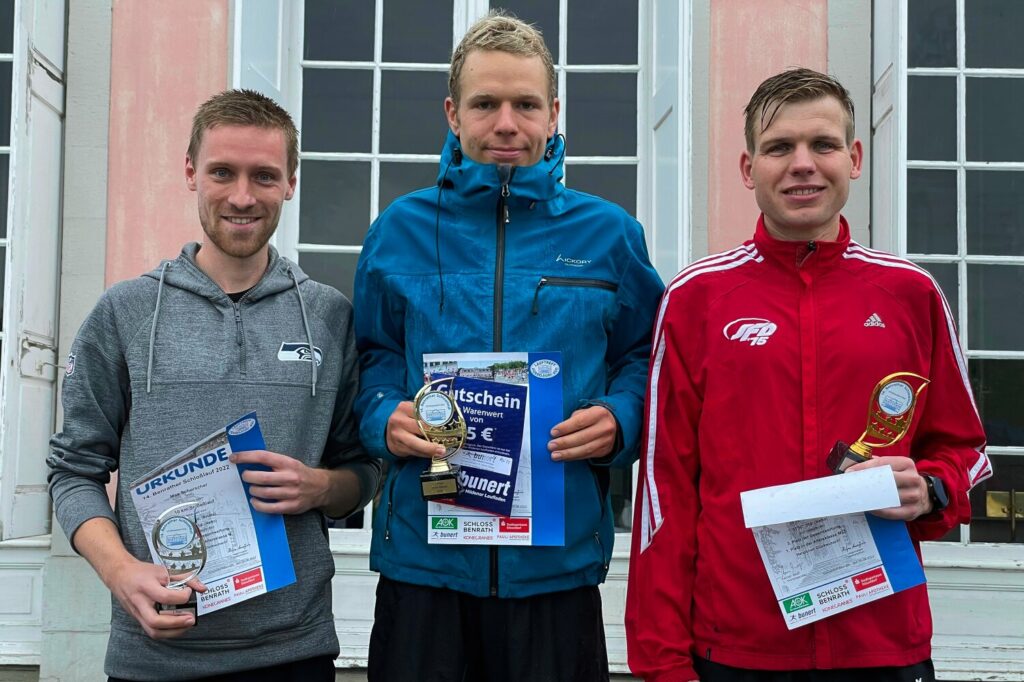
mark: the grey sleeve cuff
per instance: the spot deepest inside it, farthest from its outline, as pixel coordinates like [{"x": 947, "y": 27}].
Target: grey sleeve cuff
[
  {"x": 76, "y": 500},
  {"x": 368, "y": 472}
]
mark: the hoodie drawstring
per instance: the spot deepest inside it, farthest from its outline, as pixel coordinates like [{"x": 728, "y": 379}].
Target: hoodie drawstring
[
  {"x": 152, "y": 329},
  {"x": 309, "y": 336}
]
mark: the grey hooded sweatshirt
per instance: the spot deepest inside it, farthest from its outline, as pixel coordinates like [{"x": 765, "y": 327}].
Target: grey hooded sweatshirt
[{"x": 163, "y": 361}]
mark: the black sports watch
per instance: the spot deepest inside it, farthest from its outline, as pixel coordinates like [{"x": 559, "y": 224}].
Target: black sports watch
[{"x": 936, "y": 492}]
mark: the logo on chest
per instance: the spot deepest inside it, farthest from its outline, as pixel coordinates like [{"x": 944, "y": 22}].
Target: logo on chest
[
  {"x": 299, "y": 352},
  {"x": 752, "y": 330}
]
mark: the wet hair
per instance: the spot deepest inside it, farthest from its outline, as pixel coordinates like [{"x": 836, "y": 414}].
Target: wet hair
[
  {"x": 244, "y": 108},
  {"x": 792, "y": 85},
  {"x": 503, "y": 32}
]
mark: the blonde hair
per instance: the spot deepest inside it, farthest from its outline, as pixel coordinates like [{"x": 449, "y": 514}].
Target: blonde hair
[
  {"x": 793, "y": 85},
  {"x": 504, "y": 32},
  {"x": 244, "y": 108}
]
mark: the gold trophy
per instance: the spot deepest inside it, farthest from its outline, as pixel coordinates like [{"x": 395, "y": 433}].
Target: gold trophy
[
  {"x": 179, "y": 544},
  {"x": 890, "y": 414},
  {"x": 440, "y": 421}
]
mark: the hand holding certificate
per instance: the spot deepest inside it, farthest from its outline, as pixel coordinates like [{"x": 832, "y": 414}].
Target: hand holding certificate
[{"x": 196, "y": 512}]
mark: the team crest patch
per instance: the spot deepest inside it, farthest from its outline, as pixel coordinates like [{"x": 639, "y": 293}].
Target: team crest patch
[
  {"x": 69, "y": 368},
  {"x": 298, "y": 352}
]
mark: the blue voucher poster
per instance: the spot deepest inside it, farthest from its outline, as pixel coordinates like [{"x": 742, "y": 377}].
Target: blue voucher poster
[{"x": 513, "y": 493}]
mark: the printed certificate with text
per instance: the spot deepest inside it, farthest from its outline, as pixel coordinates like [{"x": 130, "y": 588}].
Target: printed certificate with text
[{"x": 246, "y": 551}]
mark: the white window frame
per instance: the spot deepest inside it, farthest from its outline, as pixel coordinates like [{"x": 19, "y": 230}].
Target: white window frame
[{"x": 975, "y": 589}]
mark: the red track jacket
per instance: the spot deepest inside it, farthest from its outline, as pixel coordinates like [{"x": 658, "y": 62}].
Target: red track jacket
[{"x": 763, "y": 357}]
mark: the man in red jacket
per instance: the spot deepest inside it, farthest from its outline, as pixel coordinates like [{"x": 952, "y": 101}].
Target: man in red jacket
[{"x": 764, "y": 357}]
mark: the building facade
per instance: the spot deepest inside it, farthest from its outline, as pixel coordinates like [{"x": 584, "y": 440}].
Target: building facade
[{"x": 96, "y": 98}]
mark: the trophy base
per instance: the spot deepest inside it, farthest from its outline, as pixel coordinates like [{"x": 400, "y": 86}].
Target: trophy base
[
  {"x": 440, "y": 485},
  {"x": 842, "y": 457},
  {"x": 189, "y": 608}
]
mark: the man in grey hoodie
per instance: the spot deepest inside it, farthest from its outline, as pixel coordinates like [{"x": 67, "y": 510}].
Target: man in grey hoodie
[{"x": 163, "y": 360}]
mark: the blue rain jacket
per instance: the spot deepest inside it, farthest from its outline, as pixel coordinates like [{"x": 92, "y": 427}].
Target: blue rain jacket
[{"x": 481, "y": 263}]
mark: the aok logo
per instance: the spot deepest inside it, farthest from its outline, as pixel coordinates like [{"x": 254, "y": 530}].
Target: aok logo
[
  {"x": 444, "y": 522},
  {"x": 752, "y": 330},
  {"x": 801, "y": 601}
]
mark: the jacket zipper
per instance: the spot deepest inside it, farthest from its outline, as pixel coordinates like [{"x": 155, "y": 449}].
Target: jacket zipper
[
  {"x": 499, "y": 294},
  {"x": 569, "y": 282},
  {"x": 239, "y": 337},
  {"x": 391, "y": 502}
]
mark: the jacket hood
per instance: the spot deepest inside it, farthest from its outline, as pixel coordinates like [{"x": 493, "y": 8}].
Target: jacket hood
[
  {"x": 183, "y": 273},
  {"x": 539, "y": 182}
]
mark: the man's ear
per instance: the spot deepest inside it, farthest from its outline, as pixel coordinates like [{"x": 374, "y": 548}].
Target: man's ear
[
  {"x": 190, "y": 174},
  {"x": 553, "y": 123},
  {"x": 451, "y": 112},
  {"x": 857, "y": 155},
  {"x": 746, "y": 166}
]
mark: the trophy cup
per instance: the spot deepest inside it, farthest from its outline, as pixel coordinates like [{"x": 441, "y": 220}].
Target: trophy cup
[
  {"x": 890, "y": 413},
  {"x": 440, "y": 421},
  {"x": 180, "y": 546}
]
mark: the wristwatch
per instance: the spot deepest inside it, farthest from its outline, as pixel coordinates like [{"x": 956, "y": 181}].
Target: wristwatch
[{"x": 936, "y": 492}]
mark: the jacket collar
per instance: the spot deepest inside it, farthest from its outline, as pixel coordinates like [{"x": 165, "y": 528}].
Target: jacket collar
[
  {"x": 469, "y": 179},
  {"x": 803, "y": 255}
]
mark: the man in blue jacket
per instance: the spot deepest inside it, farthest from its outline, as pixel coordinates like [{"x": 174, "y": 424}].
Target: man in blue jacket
[{"x": 500, "y": 256}]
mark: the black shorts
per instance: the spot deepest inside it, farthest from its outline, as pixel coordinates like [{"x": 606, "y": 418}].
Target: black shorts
[
  {"x": 319, "y": 669},
  {"x": 716, "y": 672},
  {"x": 430, "y": 634}
]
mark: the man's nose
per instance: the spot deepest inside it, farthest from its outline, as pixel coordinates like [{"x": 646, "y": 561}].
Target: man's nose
[
  {"x": 241, "y": 196},
  {"x": 506, "y": 121},
  {"x": 802, "y": 161}
]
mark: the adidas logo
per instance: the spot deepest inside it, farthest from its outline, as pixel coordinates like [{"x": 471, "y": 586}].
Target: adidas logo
[{"x": 874, "y": 321}]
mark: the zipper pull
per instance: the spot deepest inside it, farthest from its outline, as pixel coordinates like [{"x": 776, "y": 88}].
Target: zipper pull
[
  {"x": 536, "y": 294},
  {"x": 812, "y": 246}
]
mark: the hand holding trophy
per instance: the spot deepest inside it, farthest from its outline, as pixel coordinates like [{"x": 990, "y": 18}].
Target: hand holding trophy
[
  {"x": 890, "y": 413},
  {"x": 440, "y": 420},
  {"x": 179, "y": 544}
]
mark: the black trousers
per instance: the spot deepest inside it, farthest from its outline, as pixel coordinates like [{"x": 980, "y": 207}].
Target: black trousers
[
  {"x": 429, "y": 634},
  {"x": 319, "y": 669},
  {"x": 715, "y": 672}
]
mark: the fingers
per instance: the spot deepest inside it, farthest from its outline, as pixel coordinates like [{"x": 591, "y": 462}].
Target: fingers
[
  {"x": 403, "y": 435},
  {"x": 587, "y": 433},
  {"x": 912, "y": 489}
]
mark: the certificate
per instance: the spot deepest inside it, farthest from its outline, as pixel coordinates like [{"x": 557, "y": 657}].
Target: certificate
[
  {"x": 822, "y": 553},
  {"x": 513, "y": 493},
  {"x": 246, "y": 551}
]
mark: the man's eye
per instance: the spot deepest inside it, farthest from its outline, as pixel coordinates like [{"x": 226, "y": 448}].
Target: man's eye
[
  {"x": 776, "y": 149},
  {"x": 265, "y": 178},
  {"x": 220, "y": 173},
  {"x": 824, "y": 146},
  {"x": 484, "y": 105},
  {"x": 528, "y": 106}
]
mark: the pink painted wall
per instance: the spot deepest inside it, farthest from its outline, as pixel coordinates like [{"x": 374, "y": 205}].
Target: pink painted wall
[
  {"x": 166, "y": 59},
  {"x": 750, "y": 40}
]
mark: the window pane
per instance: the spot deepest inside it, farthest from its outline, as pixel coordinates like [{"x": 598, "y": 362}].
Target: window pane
[
  {"x": 602, "y": 31},
  {"x": 336, "y": 110},
  {"x": 997, "y": 385},
  {"x": 614, "y": 183},
  {"x": 946, "y": 275},
  {"x": 601, "y": 114},
  {"x": 397, "y": 179},
  {"x": 993, "y": 119},
  {"x": 335, "y": 206},
  {"x": 412, "y": 112},
  {"x": 5, "y": 161},
  {"x": 5, "y": 103},
  {"x": 992, "y": 504},
  {"x": 543, "y": 14},
  {"x": 416, "y": 31},
  {"x": 7, "y": 26},
  {"x": 996, "y": 307},
  {"x": 931, "y": 211},
  {"x": 995, "y": 213},
  {"x": 993, "y": 30},
  {"x": 931, "y": 118},
  {"x": 932, "y": 29},
  {"x": 338, "y": 30},
  {"x": 336, "y": 269}
]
